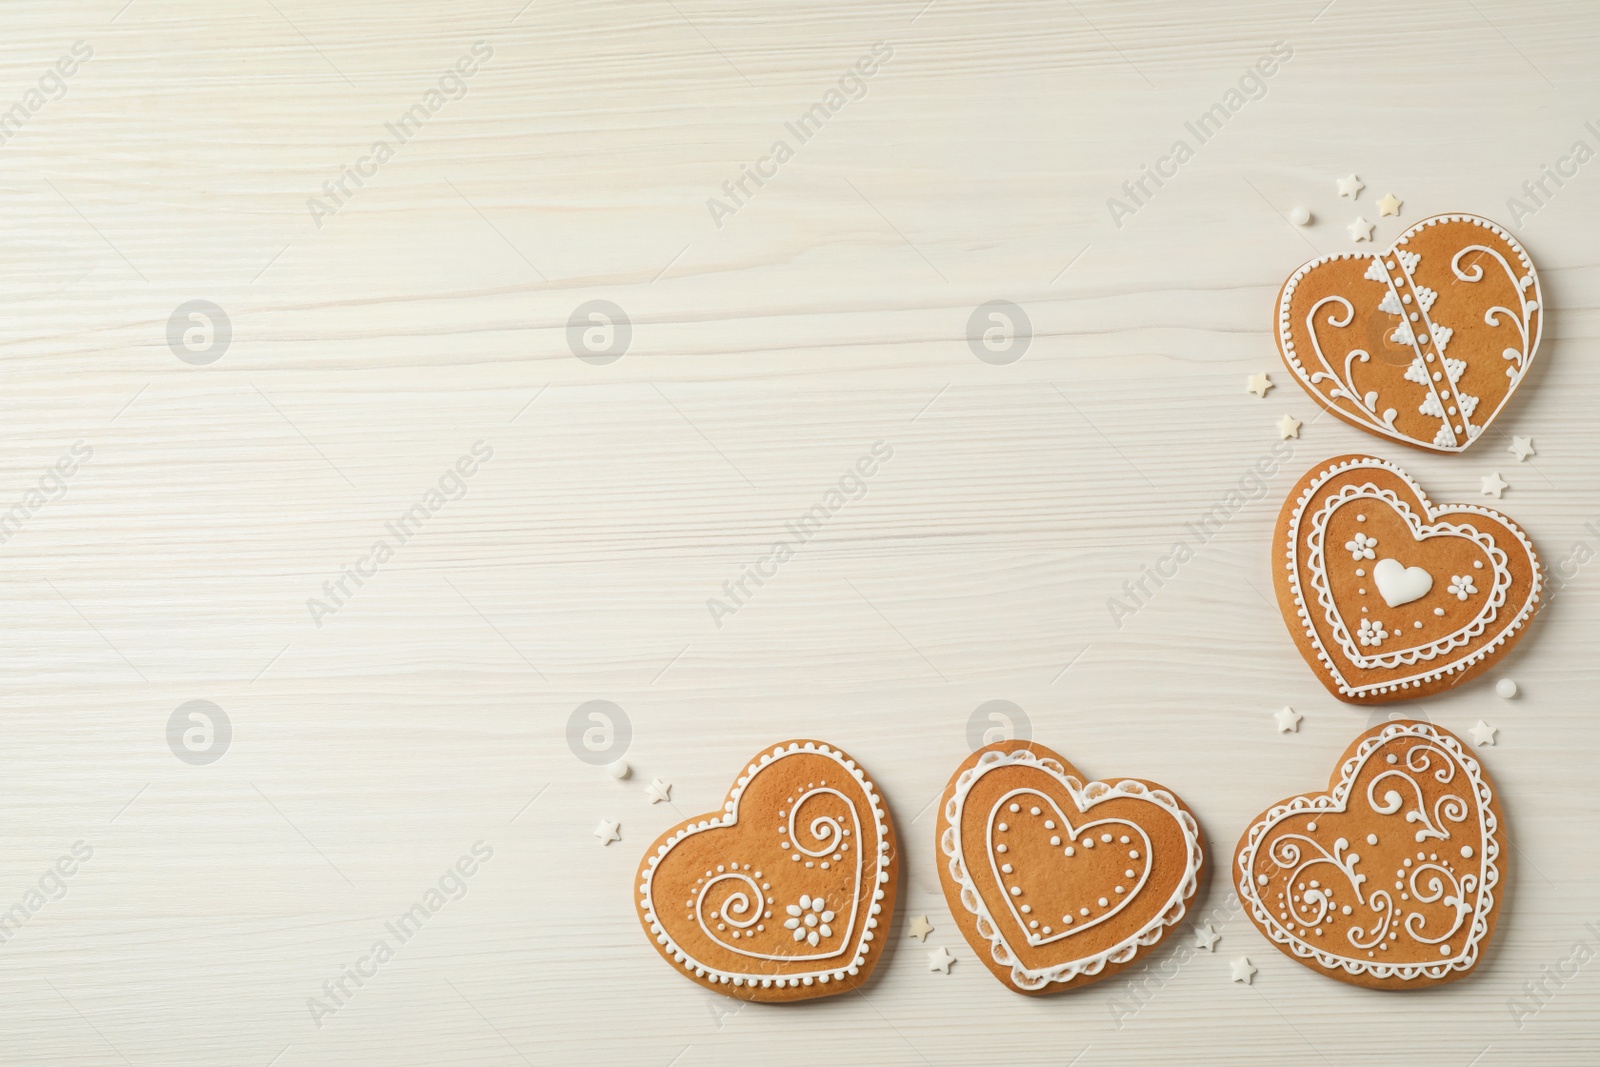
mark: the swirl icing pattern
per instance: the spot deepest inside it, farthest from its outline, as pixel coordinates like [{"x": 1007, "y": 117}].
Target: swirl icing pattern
[
  {"x": 1423, "y": 342},
  {"x": 1391, "y": 878},
  {"x": 783, "y": 894}
]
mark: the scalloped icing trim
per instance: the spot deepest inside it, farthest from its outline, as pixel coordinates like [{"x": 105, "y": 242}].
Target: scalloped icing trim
[
  {"x": 1316, "y": 562},
  {"x": 1519, "y": 620},
  {"x": 730, "y": 817},
  {"x": 1084, "y": 797}
]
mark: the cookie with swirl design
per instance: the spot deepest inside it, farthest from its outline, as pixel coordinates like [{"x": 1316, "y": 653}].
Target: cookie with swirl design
[
  {"x": 1394, "y": 877},
  {"x": 1423, "y": 342},
  {"x": 786, "y": 893}
]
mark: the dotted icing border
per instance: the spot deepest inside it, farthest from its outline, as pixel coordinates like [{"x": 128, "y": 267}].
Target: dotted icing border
[
  {"x": 1286, "y": 337},
  {"x": 1123, "y": 951},
  {"x": 730, "y": 817},
  {"x": 1316, "y": 563},
  {"x": 1336, "y": 802},
  {"x": 1519, "y": 620}
]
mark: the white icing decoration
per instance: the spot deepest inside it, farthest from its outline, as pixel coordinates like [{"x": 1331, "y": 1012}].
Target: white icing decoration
[
  {"x": 1441, "y": 337},
  {"x": 1319, "y": 578},
  {"x": 742, "y": 906},
  {"x": 1399, "y": 584},
  {"x": 1461, "y": 586},
  {"x": 1360, "y": 546},
  {"x": 1455, "y": 431},
  {"x": 1085, "y": 797},
  {"x": 1466, "y": 894},
  {"x": 1371, "y": 633},
  {"x": 1422, "y": 529},
  {"x": 1067, "y": 822}
]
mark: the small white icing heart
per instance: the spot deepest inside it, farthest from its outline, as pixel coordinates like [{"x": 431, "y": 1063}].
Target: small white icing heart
[{"x": 1399, "y": 584}]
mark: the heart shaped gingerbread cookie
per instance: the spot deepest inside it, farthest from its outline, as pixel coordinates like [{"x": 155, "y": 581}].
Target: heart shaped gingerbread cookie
[
  {"x": 1392, "y": 878},
  {"x": 1388, "y": 597},
  {"x": 1422, "y": 343},
  {"x": 782, "y": 895},
  {"x": 1057, "y": 881}
]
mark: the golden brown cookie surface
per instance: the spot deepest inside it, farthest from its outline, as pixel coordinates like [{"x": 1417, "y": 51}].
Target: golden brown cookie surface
[
  {"x": 1057, "y": 881},
  {"x": 1423, "y": 342},
  {"x": 786, "y": 893},
  {"x": 1393, "y": 878},
  {"x": 1388, "y": 597}
]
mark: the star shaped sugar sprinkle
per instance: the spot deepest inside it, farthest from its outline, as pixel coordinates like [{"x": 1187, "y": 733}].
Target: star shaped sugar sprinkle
[
  {"x": 1521, "y": 447},
  {"x": 940, "y": 960},
  {"x": 1350, "y": 187},
  {"x": 1288, "y": 427},
  {"x": 1483, "y": 733},
  {"x": 1243, "y": 969},
  {"x": 1493, "y": 485},
  {"x": 658, "y": 791},
  {"x": 1390, "y": 205},
  {"x": 608, "y": 831},
  {"x": 1257, "y": 384},
  {"x": 1288, "y": 720},
  {"x": 1206, "y": 937},
  {"x": 1361, "y": 230},
  {"x": 921, "y": 928}
]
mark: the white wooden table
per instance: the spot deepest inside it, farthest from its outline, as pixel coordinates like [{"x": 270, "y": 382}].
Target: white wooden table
[{"x": 375, "y": 335}]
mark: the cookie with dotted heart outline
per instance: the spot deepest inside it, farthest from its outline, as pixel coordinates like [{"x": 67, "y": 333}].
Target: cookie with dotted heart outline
[
  {"x": 1393, "y": 878},
  {"x": 1057, "y": 881},
  {"x": 1348, "y": 543},
  {"x": 1423, "y": 342},
  {"x": 786, "y": 893}
]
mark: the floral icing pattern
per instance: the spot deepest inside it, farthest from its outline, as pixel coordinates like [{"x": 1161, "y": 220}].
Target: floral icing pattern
[
  {"x": 1361, "y": 546},
  {"x": 809, "y": 919},
  {"x": 1371, "y": 633}
]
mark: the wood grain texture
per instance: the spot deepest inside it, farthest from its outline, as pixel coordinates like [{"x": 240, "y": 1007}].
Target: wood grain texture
[{"x": 768, "y": 354}]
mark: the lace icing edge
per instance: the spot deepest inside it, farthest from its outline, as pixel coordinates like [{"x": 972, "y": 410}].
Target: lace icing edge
[
  {"x": 1151, "y": 932},
  {"x": 1522, "y": 617}
]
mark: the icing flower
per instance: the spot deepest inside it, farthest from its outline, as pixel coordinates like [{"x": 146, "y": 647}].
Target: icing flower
[
  {"x": 1461, "y": 586},
  {"x": 809, "y": 919},
  {"x": 1361, "y": 546},
  {"x": 1371, "y": 633}
]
